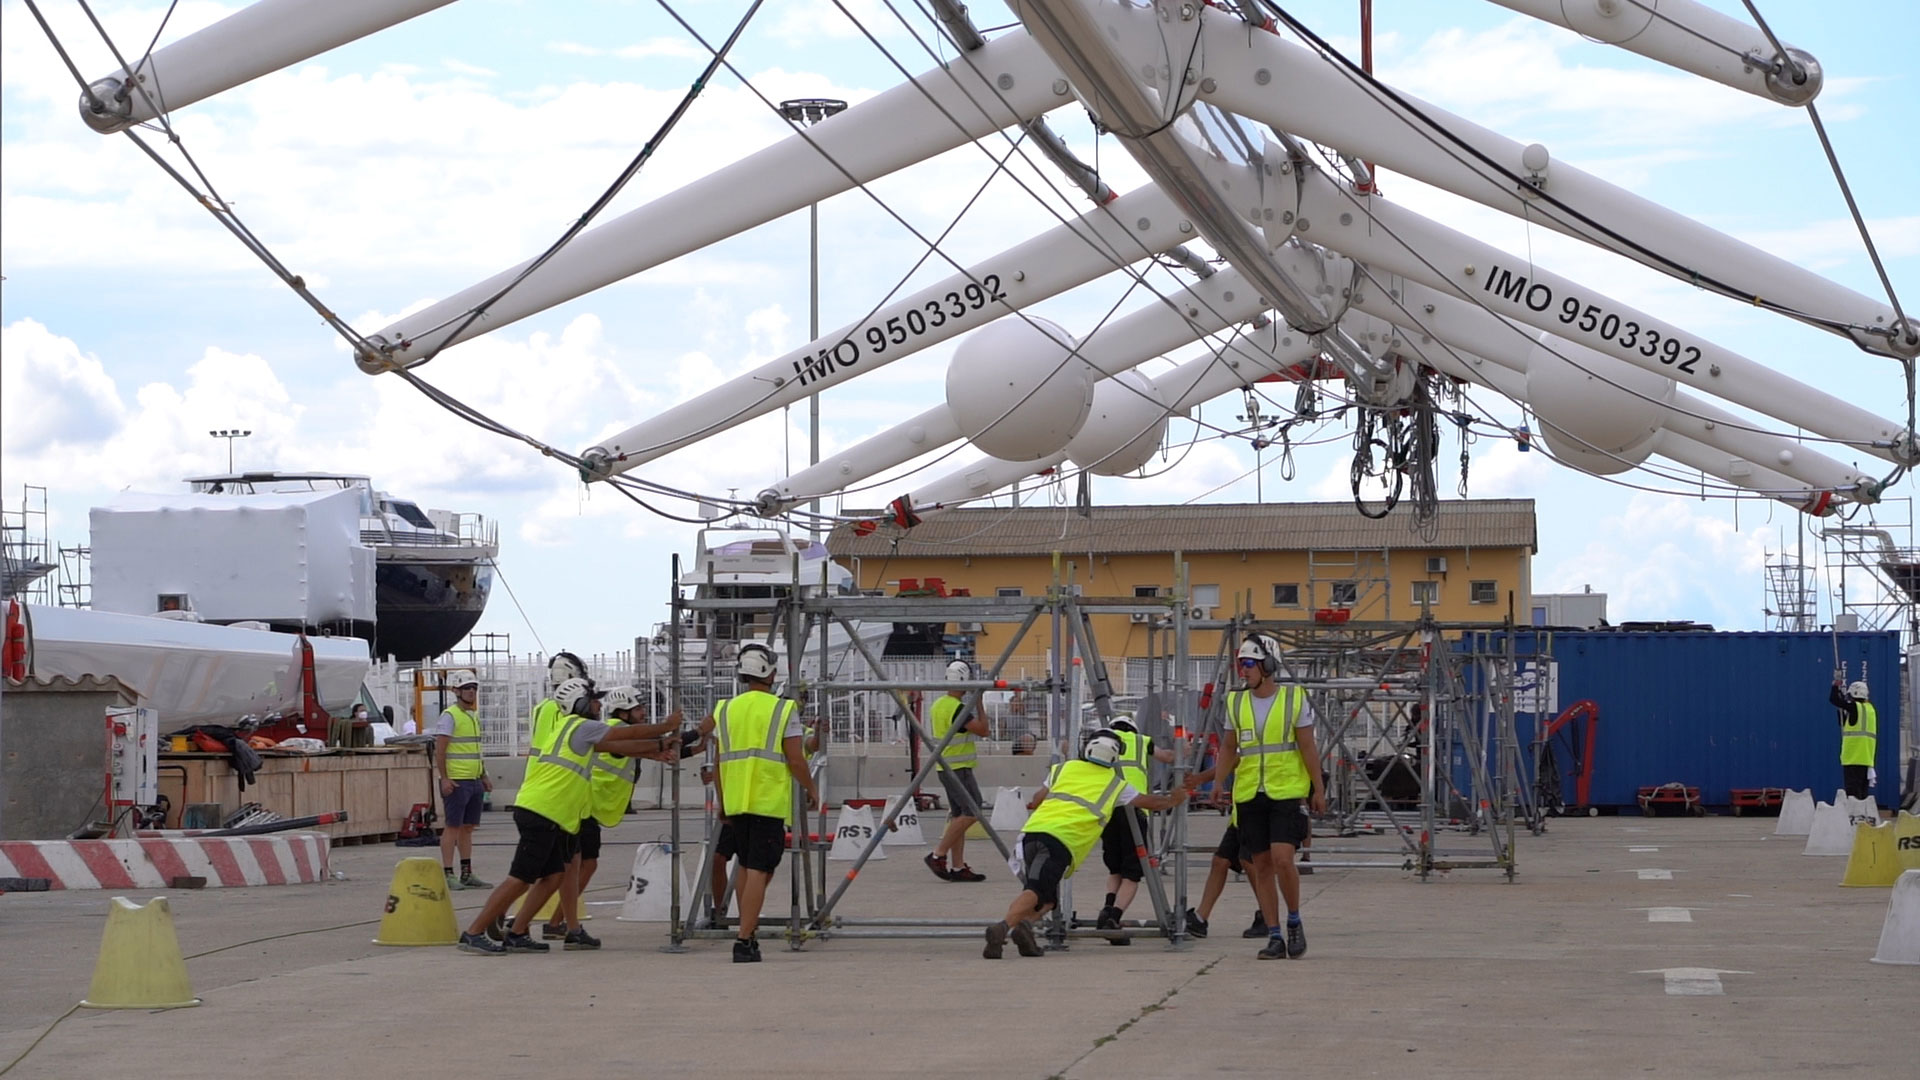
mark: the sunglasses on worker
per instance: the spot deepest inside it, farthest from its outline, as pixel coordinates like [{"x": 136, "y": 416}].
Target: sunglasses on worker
[{"x": 1248, "y": 661}]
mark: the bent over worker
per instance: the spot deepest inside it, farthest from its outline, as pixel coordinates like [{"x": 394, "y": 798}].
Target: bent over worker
[
  {"x": 1859, "y": 737},
  {"x": 761, "y": 758},
  {"x": 556, "y": 794},
  {"x": 1069, "y": 812},
  {"x": 1270, "y": 753}
]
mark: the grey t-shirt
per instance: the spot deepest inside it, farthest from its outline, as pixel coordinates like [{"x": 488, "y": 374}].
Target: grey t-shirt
[{"x": 585, "y": 734}]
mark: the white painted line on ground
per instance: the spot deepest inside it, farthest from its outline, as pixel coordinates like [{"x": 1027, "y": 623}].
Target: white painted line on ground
[
  {"x": 1741, "y": 895},
  {"x": 1669, "y": 914},
  {"x": 1654, "y": 875},
  {"x": 1692, "y": 982},
  {"x": 1642, "y": 850}
]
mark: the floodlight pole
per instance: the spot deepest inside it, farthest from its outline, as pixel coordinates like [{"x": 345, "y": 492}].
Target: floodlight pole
[
  {"x": 229, "y": 434},
  {"x": 806, "y": 112}
]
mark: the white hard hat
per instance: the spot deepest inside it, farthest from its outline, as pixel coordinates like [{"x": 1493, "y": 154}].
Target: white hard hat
[
  {"x": 563, "y": 666},
  {"x": 572, "y": 696},
  {"x": 1124, "y": 722},
  {"x": 621, "y": 697},
  {"x": 756, "y": 662},
  {"x": 1264, "y": 649},
  {"x": 959, "y": 671},
  {"x": 1103, "y": 747},
  {"x": 1858, "y": 691},
  {"x": 462, "y": 677}
]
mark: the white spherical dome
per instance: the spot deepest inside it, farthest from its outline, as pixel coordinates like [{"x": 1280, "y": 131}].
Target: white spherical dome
[
  {"x": 1587, "y": 419},
  {"x": 1016, "y": 390},
  {"x": 1129, "y": 418}
]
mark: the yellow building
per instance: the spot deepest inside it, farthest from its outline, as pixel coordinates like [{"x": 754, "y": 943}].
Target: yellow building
[{"x": 1283, "y": 561}]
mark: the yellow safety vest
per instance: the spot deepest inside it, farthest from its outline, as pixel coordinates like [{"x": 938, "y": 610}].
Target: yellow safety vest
[
  {"x": 964, "y": 750},
  {"x": 1080, "y": 801},
  {"x": 1270, "y": 762},
  {"x": 544, "y": 714},
  {"x": 558, "y": 786},
  {"x": 753, "y": 768},
  {"x": 1133, "y": 758},
  {"x": 1859, "y": 737},
  {"x": 613, "y": 780},
  {"x": 463, "y": 747}
]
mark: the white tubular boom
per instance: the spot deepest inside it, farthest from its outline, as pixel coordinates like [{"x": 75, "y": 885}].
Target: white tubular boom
[
  {"x": 252, "y": 42},
  {"x": 1259, "y": 75},
  {"x": 1387, "y": 237},
  {"x": 883, "y": 134},
  {"x": 1121, "y": 345},
  {"x": 1270, "y": 350},
  {"x": 1463, "y": 342},
  {"x": 1133, "y": 227},
  {"x": 1691, "y": 37}
]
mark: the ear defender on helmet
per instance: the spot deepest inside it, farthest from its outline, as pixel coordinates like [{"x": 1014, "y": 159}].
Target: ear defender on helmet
[{"x": 756, "y": 662}]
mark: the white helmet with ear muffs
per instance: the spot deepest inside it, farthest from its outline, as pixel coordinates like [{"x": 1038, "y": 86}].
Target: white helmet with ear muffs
[
  {"x": 1858, "y": 691},
  {"x": 572, "y": 696},
  {"x": 756, "y": 662},
  {"x": 1103, "y": 747},
  {"x": 1123, "y": 722},
  {"x": 1264, "y": 649},
  {"x": 959, "y": 671}
]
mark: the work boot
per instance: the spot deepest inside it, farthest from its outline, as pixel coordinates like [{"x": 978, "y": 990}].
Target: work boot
[
  {"x": 479, "y": 944},
  {"x": 938, "y": 864},
  {"x": 1023, "y": 940},
  {"x": 1296, "y": 940},
  {"x": 746, "y": 951},
  {"x": 1196, "y": 926},
  {"x": 524, "y": 943},
  {"x": 963, "y": 872},
  {"x": 1258, "y": 929},
  {"x": 579, "y": 939},
  {"x": 996, "y": 941},
  {"x": 1110, "y": 920},
  {"x": 473, "y": 881},
  {"x": 1276, "y": 949},
  {"x": 553, "y": 931}
]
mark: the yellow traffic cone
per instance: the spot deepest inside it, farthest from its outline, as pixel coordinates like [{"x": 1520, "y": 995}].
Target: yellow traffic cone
[
  {"x": 140, "y": 966},
  {"x": 547, "y": 910},
  {"x": 419, "y": 910},
  {"x": 1906, "y": 840},
  {"x": 1872, "y": 863}
]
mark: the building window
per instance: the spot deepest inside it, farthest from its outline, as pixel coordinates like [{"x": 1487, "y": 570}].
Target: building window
[
  {"x": 1145, "y": 592},
  {"x": 1426, "y": 592},
  {"x": 1009, "y": 590},
  {"x": 1484, "y": 592},
  {"x": 1287, "y": 595},
  {"x": 1345, "y": 593}
]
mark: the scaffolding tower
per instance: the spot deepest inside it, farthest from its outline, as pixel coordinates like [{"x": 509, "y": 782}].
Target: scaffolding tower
[
  {"x": 1790, "y": 594},
  {"x": 1878, "y": 574}
]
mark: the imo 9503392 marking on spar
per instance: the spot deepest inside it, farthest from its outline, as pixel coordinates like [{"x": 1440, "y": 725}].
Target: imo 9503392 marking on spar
[
  {"x": 1594, "y": 319},
  {"x": 899, "y": 329}
]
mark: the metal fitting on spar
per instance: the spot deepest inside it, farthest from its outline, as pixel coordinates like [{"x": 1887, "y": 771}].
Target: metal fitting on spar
[
  {"x": 107, "y": 106},
  {"x": 376, "y": 358},
  {"x": 595, "y": 464},
  {"x": 1794, "y": 79},
  {"x": 1900, "y": 340}
]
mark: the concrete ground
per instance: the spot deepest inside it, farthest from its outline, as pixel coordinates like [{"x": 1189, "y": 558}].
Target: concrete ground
[{"x": 1557, "y": 974}]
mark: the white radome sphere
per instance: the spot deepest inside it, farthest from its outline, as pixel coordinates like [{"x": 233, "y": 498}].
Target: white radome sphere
[
  {"x": 1016, "y": 390},
  {"x": 1586, "y": 417},
  {"x": 1128, "y": 421}
]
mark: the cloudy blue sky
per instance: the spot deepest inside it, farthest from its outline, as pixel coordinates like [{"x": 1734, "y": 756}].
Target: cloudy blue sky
[{"x": 404, "y": 167}]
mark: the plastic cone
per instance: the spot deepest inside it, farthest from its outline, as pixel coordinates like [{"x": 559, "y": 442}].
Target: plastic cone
[
  {"x": 1831, "y": 834},
  {"x": 850, "y": 836},
  {"x": 140, "y": 966},
  {"x": 1906, "y": 841},
  {"x": 419, "y": 910},
  {"x": 1900, "y": 936},
  {"x": 906, "y": 829},
  {"x": 650, "y": 887},
  {"x": 1796, "y": 814},
  {"x": 1872, "y": 864}
]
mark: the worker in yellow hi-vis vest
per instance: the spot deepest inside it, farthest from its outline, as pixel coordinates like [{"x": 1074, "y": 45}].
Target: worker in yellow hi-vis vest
[
  {"x": 1859, "y": 737},
  {"x": 1268, "y": 749},
  {"x": 1069, "y": 812},
  {"x": 463, "y": 779}
]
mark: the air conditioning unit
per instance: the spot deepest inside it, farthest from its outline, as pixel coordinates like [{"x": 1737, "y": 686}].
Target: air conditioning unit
[
  {"x": 969, "y": 628},
  {"x": 1140, "y": 617},
  {"x": 1199, "y": 613},
  {"x": 1436, "y": 564}
]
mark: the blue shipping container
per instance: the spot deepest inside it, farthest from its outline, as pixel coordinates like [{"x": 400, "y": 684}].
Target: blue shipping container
[{"x": 1716, "y": 711}]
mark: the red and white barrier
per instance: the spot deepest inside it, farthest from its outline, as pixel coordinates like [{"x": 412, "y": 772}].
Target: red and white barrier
[{"x": 153, "y": 862}]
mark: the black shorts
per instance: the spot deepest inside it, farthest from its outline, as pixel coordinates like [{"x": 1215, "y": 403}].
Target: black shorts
[
  {"x": 1047, "y": 862},
  {"x": 1117, "y": 848},
  {"x": 960, "y": 783},
  {"x": 1854, "y": 779},
  {"x": 1229, "y": 849},
  {"x": 589, "y": 838},
  {"x": 544, "y": 848},
  {"x": 759, "y": 841},
  {"x": 726, "y": 843},
  {"x": 1264, "y": 821}
]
